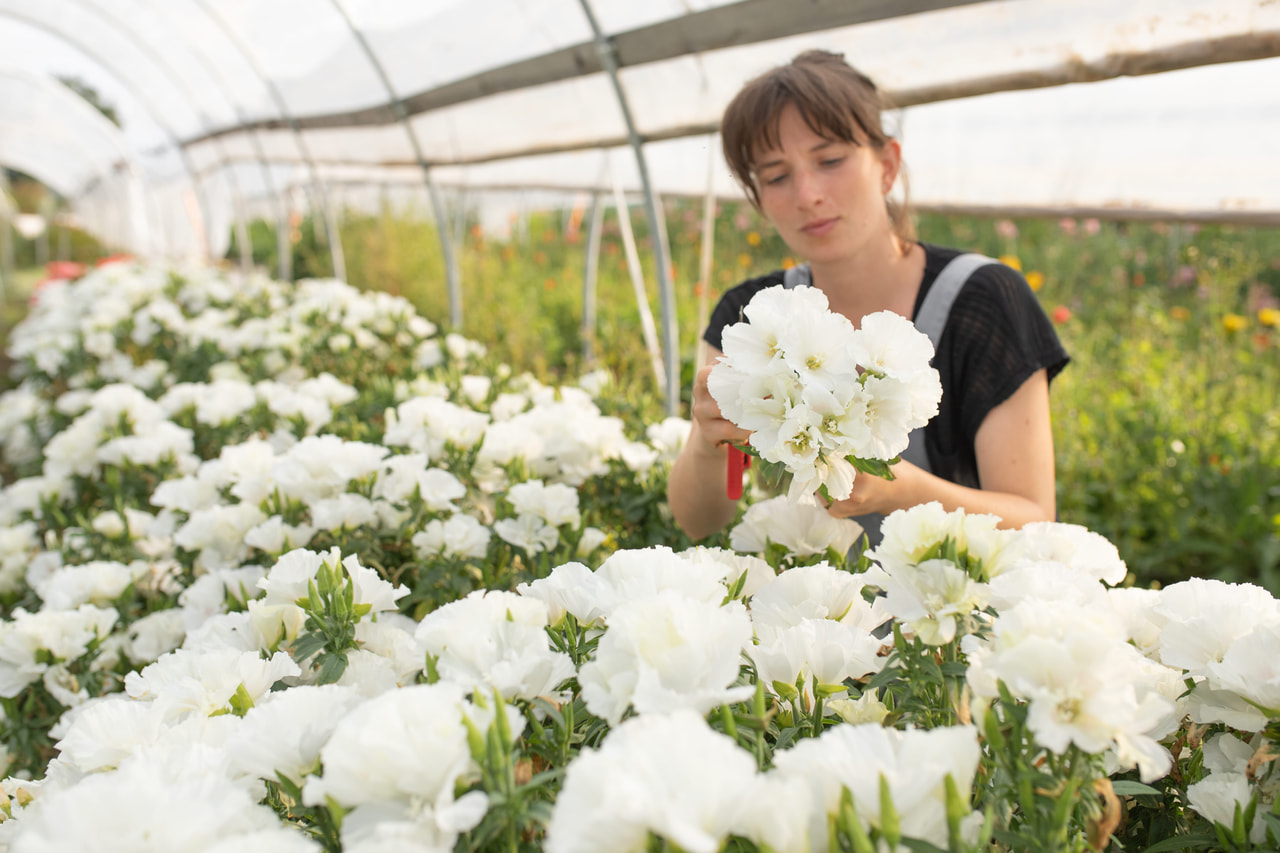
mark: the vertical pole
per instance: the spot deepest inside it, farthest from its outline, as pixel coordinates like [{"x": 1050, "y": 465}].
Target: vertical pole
[
  {"x": 7, "y": 259},
  {"x": 589, "y": 280},
  {"x": 637, "y": 283},
  {"x": 708, "y": 255},
  {"x": 666, "y": 287}
]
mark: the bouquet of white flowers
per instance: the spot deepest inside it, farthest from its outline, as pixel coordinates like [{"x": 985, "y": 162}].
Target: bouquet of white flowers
[{"x": 820, "y": 397}]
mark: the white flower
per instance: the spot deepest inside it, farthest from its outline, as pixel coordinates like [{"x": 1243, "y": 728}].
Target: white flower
[
  {"x": 570, "y": 588},
  {"x": 370, "y": 587},
  {"x": 632, "y": 574},
  {"x": 494, "y": 641},
  {"x": 867, "y": 708},
  {"x": 802, "y": 529},
  {"x": 1070, "y": 544},
  {"x": 284, "y": 732},
  {"x": 155, "y": 634},
  {"x": 734, "y": 566},
  {"x": 1048, "y": 580},
  {"x": 1204, "y": 618},
  {"x": 528, "y": 532},
  {"x": 1085, "y": 684},
  {"x": 167, "y": 808},
  {"x": 668, "y": 437},
  {"x": 64, "y": 634},
  {"x": 913, "y": 763},
  {"x": 665, "y": 652},
  {"x": 275, "y": 537},
  {"x": 557, "y": 504},
  {"x": 188, "y": 683},
  {"x": 439, "y": 489},
  {"x": 818, "y": 649},
  {"x": 669, "y": 775},
  {"x": 909, "y": 534},
  {"x": 105, "y": 731},
  {"x": 930, "y": 596},
  {"x": 401, "y": 756},
  {"x": 218, "y": 534},
  {"x": 460, "y": 535},
  {"x": 1251, "y": 667},
  {"x": 99, "y": 582},
  {"x": 346, "y": 511},
  {"x": 819, "y": 591}
]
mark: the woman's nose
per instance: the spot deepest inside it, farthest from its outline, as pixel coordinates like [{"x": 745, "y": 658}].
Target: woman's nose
[{"x": 809, "y": 191}]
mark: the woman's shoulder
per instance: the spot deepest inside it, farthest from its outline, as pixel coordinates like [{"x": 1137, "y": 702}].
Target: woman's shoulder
[{"x": 994, "y": 281}]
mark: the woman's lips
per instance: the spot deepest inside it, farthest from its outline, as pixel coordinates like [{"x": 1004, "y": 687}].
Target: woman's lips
[{"x": 819, "y": 227}]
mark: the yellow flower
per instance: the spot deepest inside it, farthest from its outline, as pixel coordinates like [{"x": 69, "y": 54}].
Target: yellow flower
[
  {"x": 1269, "y": 316},
  {"x": 1035, "y": 278},
  {"x": 1234, "y": 322},
  {"x": 744, "y": 260},
  {"x": 1011, "y": 261},
  {"x": 788, "y": 262},
  {"x": 753, "y": 238},
  {"x": 1177, "y": 312}
]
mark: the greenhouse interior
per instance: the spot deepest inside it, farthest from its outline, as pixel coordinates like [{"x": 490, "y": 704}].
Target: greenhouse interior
[{"x": 363, "y": 367}]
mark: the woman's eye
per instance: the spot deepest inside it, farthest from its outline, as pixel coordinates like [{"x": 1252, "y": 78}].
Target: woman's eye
[
  {"x": 832, "y": 161},
  {"x": 774, "y": 180}
]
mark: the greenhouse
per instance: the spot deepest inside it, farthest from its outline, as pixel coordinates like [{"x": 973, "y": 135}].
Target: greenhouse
[{"x": 357, "y": 356}]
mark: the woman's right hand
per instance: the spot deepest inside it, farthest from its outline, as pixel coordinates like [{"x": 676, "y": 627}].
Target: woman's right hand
[{"x": 712, "y": 427}]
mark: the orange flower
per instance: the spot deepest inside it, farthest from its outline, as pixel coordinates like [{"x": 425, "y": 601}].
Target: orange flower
[
  {"x": 1269, "y": 316},
  {"x": 788, "y": 262},
  {"x": 1011, "y": 261},
  {"x": 1234, "y": 322},
  {"x": 1035, "y": 278},
  {"x": 1177, "y": 312}
]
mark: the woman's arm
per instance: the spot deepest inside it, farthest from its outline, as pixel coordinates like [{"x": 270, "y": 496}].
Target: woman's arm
[
  {"x": 696, "y": 486},
  {"x": 1014, "y": 447}
]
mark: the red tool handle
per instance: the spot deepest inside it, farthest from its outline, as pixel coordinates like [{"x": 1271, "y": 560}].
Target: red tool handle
[{"x": 737, "y": 463}]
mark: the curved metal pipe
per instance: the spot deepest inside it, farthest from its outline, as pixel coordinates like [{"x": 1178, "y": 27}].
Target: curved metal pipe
[
  {"x": 657, "y": 228},
  {"x": 317, "y": 186},
  {"x": 452, "y": 277}
]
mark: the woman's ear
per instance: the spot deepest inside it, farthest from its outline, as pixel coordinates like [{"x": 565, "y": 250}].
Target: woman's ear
[{"x": 890, "y": 164}]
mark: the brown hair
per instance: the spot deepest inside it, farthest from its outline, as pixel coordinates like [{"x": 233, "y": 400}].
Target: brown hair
[{"x": 835, "y": 99}]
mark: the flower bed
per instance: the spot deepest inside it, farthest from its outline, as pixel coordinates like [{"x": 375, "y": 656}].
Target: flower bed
[{"x": 285, "y": 569}]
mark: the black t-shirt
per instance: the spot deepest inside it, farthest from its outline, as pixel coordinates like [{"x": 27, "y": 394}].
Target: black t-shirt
[{"x": 996, "y": 337}]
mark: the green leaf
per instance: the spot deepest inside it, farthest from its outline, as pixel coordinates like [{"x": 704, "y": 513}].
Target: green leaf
[
  {"x": 1181, "y": 842},
  {"x": 1129, "y": 788},
  {"x": 332, "y": 665}
]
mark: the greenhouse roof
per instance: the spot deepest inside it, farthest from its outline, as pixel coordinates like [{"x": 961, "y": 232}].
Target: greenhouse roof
[{"x": 1149, "y": 108}]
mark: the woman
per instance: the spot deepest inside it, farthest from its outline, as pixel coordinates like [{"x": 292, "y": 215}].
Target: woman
[{"x": 806, "y": 143}]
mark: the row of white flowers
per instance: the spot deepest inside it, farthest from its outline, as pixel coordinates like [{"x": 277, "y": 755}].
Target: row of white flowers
[{"x": 283, "y": 569}]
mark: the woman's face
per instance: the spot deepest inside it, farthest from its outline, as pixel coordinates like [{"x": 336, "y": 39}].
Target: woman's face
[{"x": 825, "y": 197}]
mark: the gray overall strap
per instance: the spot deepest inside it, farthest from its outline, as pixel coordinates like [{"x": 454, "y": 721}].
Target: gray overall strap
[
  {"x": 797, "y": 276},
  {"x": 930, "y": 319}
]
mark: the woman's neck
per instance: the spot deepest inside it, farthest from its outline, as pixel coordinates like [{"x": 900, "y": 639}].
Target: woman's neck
[{"x": 885, "y": 278}]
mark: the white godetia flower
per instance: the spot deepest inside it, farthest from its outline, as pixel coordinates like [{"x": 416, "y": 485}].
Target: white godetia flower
[
  {"x": 814, "y": 392},
  {"x": 913, "y": 763},
  {"x": 397, "y": 760},
  {"x": 802, "y": 528},
  {"x": 494, "y": 640},
  {"x": 667, "y": 652},
  {"x": 668, "y": 774}
]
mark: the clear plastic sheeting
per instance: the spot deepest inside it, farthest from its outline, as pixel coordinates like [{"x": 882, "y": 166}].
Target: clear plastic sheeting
[{"x": 241, "y": 108}]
